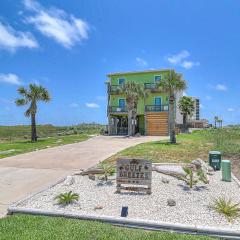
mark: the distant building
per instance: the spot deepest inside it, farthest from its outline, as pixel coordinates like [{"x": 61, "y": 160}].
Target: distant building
[{"x": 196, "y": 113}]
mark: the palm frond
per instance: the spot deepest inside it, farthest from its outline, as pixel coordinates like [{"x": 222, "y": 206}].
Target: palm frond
[
  {"x": 227, "y": 208},
  {"x": 67, "y": 198}
]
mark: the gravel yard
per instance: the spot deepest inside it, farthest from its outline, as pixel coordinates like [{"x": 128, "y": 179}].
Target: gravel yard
[{"x": 192, "y": 206}]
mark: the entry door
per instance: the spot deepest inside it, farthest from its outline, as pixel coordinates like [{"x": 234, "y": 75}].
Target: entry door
[{"x": 158, "y": 103}]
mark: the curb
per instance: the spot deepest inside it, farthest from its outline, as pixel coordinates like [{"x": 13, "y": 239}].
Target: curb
[{"x": 136, "y": 223}]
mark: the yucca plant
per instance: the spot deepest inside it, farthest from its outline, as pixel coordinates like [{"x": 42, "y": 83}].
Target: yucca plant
[
  {"x": 194, "y": 176},
  {"x": 67, "y": 198},
  {"x": 108, "y": 170},
  {"x": 228, "y": 208}
]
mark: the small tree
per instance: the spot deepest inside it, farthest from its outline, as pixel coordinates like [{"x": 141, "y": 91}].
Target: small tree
[
  {"x": 31, "y": 97},
  {"x": 171, "y": 83},
  {"x": 186, "y": 106},
  {"x": 133, "y": 93},
  {"x": 193, "y": 176}
]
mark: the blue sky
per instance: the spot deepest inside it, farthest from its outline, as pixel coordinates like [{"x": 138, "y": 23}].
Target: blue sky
[{"x": 69, "y": 47}]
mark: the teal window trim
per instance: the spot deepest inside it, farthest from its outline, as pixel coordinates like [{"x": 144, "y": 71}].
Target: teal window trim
[
  {"x": 121, "y": 81},
  {"x": 123, "y": 100},
  {"x": 159, "y": 78}
]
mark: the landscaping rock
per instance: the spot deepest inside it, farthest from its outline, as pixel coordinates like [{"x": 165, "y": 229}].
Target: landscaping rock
[
  {"x": 171, "y": 202},
  {"x": 92, "y": 177},
  {"x": 165, "y": 180},
  {"x": 200, "y": 164},
  {"x": 69, "y": 181},
  {"x": 97, "y": 207}
]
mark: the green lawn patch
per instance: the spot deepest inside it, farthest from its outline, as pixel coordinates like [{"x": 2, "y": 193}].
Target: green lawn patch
[
  {"x": 27, "y": 227},
  {"x": 12, "y": 148},
  {"x": 188, "y": 147}
]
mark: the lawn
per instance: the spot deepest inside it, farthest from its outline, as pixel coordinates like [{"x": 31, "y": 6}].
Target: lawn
[
  {"x": 20, "y": 132},
  {"x": 26, "y": 227},
  {"x": 16, "y": 139},
  {"x": 12, "y": 148},
  {"x": 189, "y": 147}
]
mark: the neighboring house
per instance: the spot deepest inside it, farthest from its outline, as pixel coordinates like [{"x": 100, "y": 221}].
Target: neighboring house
[{"x": 152, "y": 112}]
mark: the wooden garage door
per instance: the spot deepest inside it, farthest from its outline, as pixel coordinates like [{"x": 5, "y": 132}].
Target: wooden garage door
[{"x": 157, "y": 124}]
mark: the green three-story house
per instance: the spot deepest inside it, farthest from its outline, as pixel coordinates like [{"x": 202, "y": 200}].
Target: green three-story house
[{"x": 152, "y": 111}]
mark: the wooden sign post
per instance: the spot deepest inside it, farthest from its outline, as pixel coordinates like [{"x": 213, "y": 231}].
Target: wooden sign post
[{"x": 134, "y": 172}]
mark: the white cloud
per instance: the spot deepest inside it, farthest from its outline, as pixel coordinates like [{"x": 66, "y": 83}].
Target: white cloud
[
  {"x": 209, "y": 98},
  {"x": 92, "y": 105},
  {"x": 221, "y": 87},
  {"x": 10, "y": 39},
  {"x": 141, "y": 62},
  {"x": 10, "y": 78},
  {"x": 179, "y": 59},
  {"x": 176, "y": 59},
  {"x": 184, "y": 93},
  {"x": 189, "y": 64},
  {"x": 230, "y": 109},
  {"x": 74, "y": 105},
  {"x": 55, "y": 23}
]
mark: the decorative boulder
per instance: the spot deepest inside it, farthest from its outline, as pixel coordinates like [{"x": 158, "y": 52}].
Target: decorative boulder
[
  {"x": 171, "y": 202},
  {"x": 200, "y": 164}
]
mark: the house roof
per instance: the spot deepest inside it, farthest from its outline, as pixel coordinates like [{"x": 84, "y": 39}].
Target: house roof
[{"x": 139, "y": 72}]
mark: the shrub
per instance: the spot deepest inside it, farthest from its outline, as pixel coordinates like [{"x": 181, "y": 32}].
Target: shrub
[
  {"x": 108, "y": 170},
  {"x": 67, "y": 198},
  {"x": 193, "y": 176},
  {"x": 228, "y": 208}
]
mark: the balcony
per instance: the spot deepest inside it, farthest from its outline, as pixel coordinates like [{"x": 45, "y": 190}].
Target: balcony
[
  {"x": 117, "y": 109},
  {"x": 114, "y": 89},
  {"x": 156, "y": 108},
  {"x": 153, "y": 87}
]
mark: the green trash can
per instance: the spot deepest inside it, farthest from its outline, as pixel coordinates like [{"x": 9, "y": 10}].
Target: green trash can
[
  {"x": 215, "y": 160},
  {"x": 226, "y": 170}
]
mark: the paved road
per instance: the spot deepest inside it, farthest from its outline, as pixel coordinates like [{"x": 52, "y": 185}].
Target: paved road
[{"x": 25, "y": 174}]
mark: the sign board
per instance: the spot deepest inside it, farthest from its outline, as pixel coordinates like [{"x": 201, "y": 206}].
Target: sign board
[{"x": 132, "y": 172}]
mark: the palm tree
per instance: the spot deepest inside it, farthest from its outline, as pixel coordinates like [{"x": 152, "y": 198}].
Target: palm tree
[
  {"x": 171, "y": 83},
  {"x": 31, "y": 97},
  {"x": 215, "y": 121},
  {"x": 133, "y": 93},
  {"x": 186, "y": 106}
]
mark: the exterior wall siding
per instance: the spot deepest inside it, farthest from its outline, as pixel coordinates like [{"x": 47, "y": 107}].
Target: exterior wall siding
[{"x": 142, "y": 78}]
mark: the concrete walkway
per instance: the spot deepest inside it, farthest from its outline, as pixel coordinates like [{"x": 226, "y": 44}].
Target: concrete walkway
[{"x": 25, "y": 174}]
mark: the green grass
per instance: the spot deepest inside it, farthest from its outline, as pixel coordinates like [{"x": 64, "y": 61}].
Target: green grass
[
  {"x": 23, "y": 146},
  {"x": 188, "y": 147},
  {"x": 26, "y": 227},
  {"x": 20, "y": 132}
]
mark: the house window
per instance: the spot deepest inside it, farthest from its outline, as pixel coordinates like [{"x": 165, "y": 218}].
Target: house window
[
  {"x": 121, "y": 81},
  {"x": 121, "y": 103},
  {"x": 157, "y": 78}
]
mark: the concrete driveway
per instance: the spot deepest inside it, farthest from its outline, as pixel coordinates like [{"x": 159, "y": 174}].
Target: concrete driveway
[{"x": 28, "y": 173}]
